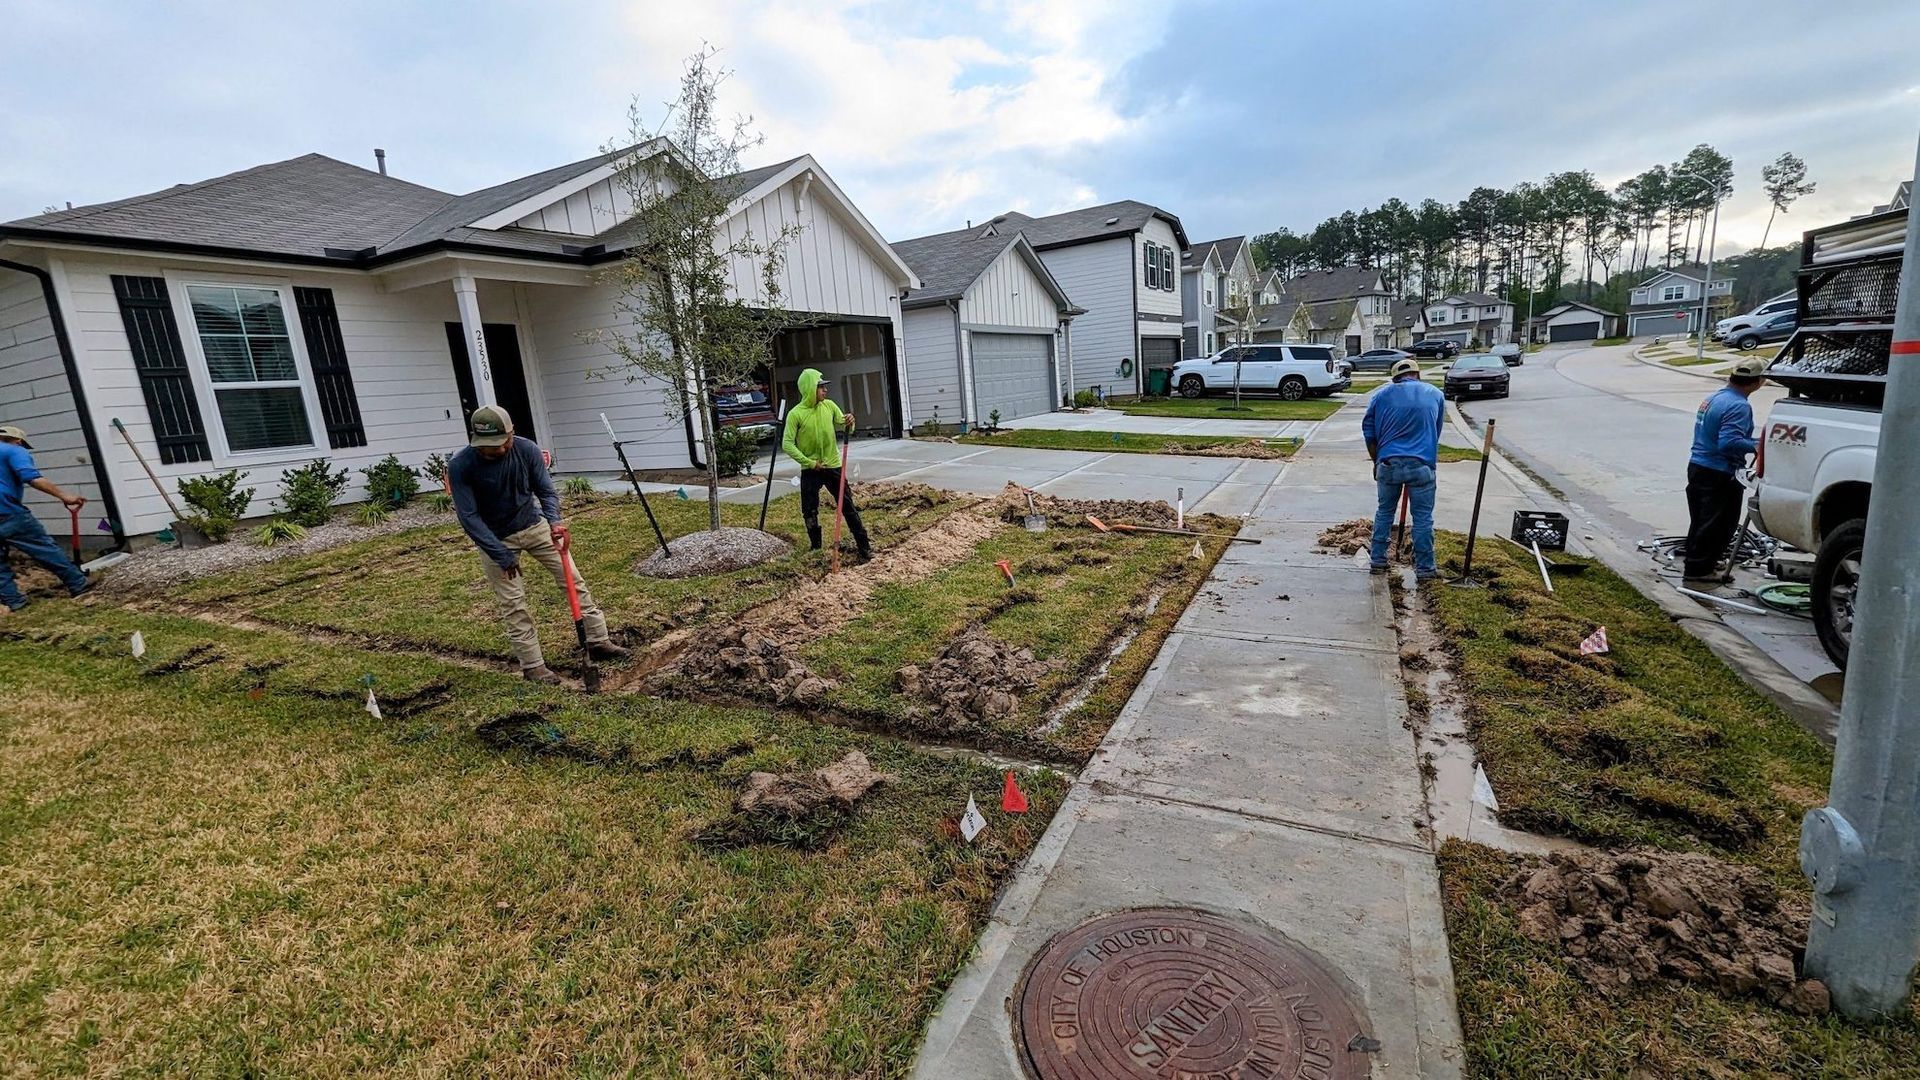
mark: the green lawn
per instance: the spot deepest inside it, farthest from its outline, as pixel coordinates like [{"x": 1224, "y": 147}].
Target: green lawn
[
  {"x": 231, "y": 869},
  {"x": 1612, "y": 341},
  {"x": 1450, "y": 454},
  {"x": 1222, "y": 408},
  {"x": 1128, "y": 442}
]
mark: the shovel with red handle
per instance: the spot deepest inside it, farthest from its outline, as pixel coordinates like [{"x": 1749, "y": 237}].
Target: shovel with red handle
[{"x": 591, "y": 676}]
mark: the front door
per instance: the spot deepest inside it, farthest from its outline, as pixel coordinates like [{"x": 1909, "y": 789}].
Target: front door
[{"x": 509, "y": 378}]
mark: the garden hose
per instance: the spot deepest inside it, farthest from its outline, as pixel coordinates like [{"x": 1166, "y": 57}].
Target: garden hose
[{"x": 1791, "y": 597}]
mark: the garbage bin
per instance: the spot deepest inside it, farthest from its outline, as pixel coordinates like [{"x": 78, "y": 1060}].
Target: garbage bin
[{"x": 1159, "y": 381}]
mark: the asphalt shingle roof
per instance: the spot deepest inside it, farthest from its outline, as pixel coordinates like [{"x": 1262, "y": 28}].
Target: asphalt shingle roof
[
  {"x": 1337, "y": 283},
  {"x": 947, "y": 263},
  {"x": 1089, "y": 223}
]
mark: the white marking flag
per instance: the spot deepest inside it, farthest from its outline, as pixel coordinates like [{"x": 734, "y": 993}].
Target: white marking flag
[
  {"x": 1595, "y": 642},
  {"x": 1483, "y": 789},
  {"x": 971, "y": 822},
  {"x": 138, "y": 644},
  {"x": 373, "y": 705}
]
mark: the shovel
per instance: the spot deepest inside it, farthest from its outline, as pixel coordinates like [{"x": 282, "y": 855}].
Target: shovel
[
  {"x": 591, "y": 675},
  {"x": 1036, "y": 521},
  {"x": 1117, "y": 527}
]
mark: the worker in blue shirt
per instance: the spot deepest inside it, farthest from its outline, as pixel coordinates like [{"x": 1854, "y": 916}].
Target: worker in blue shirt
[
  {"x": 20, "y": 530},
  {"x": 1722, "y": 440},
  {"x": 1402, "y": 429}
]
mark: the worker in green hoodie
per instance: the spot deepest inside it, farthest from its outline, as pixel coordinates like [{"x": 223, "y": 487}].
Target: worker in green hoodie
[{"x": 812, "y": 440}]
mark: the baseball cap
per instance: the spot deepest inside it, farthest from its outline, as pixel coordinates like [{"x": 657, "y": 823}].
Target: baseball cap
[
  {"x": 1409, "y": 366},
  {"x": 1749, "y": 368},
  {"x": 10, "y": 432},
  {"x": 490, "y": 426}
]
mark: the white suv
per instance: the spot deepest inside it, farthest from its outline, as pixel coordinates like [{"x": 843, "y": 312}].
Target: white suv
[
  {"x": 1292, "y": 371},
  {"x": 1779, "y": 305}
]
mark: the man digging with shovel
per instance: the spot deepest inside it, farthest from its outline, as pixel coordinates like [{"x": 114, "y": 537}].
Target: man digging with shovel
[
  {"x": 20, "y": 529},
  {"x": 508, "y": 506},
  {"x": 811, "y": 439}
]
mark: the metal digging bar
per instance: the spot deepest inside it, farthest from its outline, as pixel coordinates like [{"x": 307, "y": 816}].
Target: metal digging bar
[
  {"x": 1473, "y": 523},
  {"x": 641, "y": 495},
  {"x": 779, "y": 422}
]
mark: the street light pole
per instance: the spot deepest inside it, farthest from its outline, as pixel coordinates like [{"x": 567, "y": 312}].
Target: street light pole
[
  {"x": 1700, "y": 341},
  {"x": 1862, "y": 849}
]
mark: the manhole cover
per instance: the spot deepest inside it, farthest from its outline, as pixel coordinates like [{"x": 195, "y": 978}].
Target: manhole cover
[{"x": 1175, "y": 992}]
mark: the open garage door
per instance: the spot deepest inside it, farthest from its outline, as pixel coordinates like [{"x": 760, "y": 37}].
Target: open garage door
[
  {"x": 1012, "y": 373},
  {"x": 1580, "y": 331}
]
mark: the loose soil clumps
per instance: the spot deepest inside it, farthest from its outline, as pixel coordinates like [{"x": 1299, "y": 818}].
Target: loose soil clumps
[
  {"x": 1072, "y": 513},
  {"x": 797, "y": 810},
  {"x": 977, "y": 679},
  {"x": 755, "y": 663},
  {"x": 1348, "y": 537},
  {"x": 1258, "y": 449},
  {"x": 713, "y": 551},
  {"x": 1639, "y": 917}
]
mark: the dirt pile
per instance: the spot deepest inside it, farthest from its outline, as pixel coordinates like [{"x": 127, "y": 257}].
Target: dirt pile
[
  {"x": 1347, "y": 537},
  {"x": 1641, "y": 917},
  {"x": 797, "y": 810},
  {"x": 1261, "y": 449},
  {"x": 905, "y": 499},
  {"x": 714, "y": 551},
  {"x": 748, "y": 661},
  {"x": 1069, "y": 513},
  {"x": 977, "y": 678}
]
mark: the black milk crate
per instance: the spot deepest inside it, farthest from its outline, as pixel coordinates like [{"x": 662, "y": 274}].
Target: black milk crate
[{"x": 1544, "y": 527}]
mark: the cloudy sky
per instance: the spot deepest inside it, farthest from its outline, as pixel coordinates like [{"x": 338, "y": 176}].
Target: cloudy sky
[{"x": 1239, "y": 117}]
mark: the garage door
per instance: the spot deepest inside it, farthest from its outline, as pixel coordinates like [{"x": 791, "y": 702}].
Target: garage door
[
  {"x": 1579, "y": 331},
  {"x": 1458, "y": 337},
  {"x": 1645, "y": 325},
  {"x": 1012, "y": 373},
  {"x": 1159, "y": 352}
]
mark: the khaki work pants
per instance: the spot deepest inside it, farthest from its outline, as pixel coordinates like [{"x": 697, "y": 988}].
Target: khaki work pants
[{"x": 536, "y": 542}]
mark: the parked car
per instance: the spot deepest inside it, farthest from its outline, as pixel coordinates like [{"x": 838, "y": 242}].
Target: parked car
[
  {"x": 746, "y": 406},
  {"x": 1477, "y": 375},
  {"x": 1511, "y": 353},
  {"x": 1378, "y": 359},
  {"x": 1292, "y": 371},
  {"x": 1728, "y": 327},
  {"x": 1777, "y": 328},
  {"x": 1432, "y": 349}
]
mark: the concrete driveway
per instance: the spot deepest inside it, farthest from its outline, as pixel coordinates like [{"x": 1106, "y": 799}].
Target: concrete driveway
[{"x": 1115, "y": 420}]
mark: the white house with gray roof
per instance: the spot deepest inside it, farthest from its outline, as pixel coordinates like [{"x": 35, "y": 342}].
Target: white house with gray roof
[
  {"x": 1121, "y": 263},
  {"x": 310, "y": 308},
  {"x": 987, "y": 331},
  {"x": 1217, "y": 285}
]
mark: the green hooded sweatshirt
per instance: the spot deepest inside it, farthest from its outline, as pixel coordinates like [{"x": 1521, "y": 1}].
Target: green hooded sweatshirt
[{"x": 812, "y": 430}]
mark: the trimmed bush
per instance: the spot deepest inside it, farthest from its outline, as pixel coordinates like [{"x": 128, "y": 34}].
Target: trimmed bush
[
  {"x": 218, "y": 503},
  {"x": 390, "y": 483},
  {"x": 307, "y": 493},
  {"x": 735, "y": 450}
]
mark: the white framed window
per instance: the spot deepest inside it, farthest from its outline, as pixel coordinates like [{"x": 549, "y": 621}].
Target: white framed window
[
  {"x": 1673, "y": 292},
  {"x": 1209, "y": 293},
  {"x": 254, "y": 381},
  {"x": 1152, "y": 265}
]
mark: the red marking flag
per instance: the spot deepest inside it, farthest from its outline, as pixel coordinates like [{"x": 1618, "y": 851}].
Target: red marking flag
[{"x": 1012, "y": 799}]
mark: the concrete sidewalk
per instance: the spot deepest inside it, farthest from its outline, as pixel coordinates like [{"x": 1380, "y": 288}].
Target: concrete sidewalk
[
  {"x": 1262, "y": 771},
  {"x": 1115, "y": 420}
]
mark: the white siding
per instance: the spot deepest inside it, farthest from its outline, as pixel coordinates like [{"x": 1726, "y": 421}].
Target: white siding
[
  {"x": 35, "y": 395},
  {"x": 829, "y": 268},
  {"x": 1100, "y": 278},
  {"x": 396, "y": 346},
  {"x": 1153, "y": 301},
  {"x": 1009, "y": 293},
  {"x": 582, "y": 377},
  {"x": 933, "y": 371},
  {"x": 588, "y": 212}
]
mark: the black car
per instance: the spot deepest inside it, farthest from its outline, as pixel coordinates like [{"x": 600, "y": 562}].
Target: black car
[
  {"x": 1777, "y": 328},
  {"x": 1434, "y": 350},
  {"x": 1477, "y": 375},
  {"x": 1377, "y": 359}
]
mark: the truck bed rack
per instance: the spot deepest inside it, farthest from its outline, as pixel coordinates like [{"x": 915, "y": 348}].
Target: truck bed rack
[{"x": 1844, "y": 363}]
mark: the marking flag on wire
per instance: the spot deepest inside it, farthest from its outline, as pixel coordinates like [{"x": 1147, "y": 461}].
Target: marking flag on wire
[
  {"x": 971, "y": 822},
  {"x": 1595, "y": 642},
  {"x": 373, "y": 705},
  {"x": 138, "y": 643}
]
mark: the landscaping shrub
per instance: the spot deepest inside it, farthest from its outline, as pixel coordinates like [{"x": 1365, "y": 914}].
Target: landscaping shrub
[
  {"x": 440, "y": 502},
  {"x": 1084, "y": 399},
  {"x": 576, "y": 485},
  {"x": 735, "y": 450},
  {"x": 390, "y": 483},
  {"x": 218, "y": 503},
  {"x": 277, "y": 530},
  {"x": 371, "y": 513},
  {"x": 435, "y": 469},
  {"x": 308, "y": 492}
]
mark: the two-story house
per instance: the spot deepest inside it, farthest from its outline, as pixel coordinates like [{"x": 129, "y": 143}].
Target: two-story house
[
  {"x": 1121, "y": 264},
  {"x": 1358, "y": 308},
  {"x": 1464, "y": 318},
  {"x": 1216, "y": 289},
  {"x": 1669, "y": 301}
]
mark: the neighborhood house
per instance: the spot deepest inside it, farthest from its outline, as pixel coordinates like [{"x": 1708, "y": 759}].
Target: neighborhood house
[
  {"x": 1668, "y": 303},
  {"x": 311, "y": 308},
  {"x": 1217, "y": 285},
  {"x": 1465, "y": 318}
]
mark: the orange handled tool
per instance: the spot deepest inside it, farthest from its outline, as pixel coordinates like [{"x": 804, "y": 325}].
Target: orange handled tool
[{"x": 591, "y": 676}]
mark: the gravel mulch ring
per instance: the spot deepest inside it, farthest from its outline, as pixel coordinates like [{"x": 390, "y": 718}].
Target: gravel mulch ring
[
  {"x": 713, "y": 552},
  {"x": 164, "y": 567}
]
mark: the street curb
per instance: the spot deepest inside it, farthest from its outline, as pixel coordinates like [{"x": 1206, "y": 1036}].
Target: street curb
[
  {"x": 1803, "y": 703},
  {"x": 1635, "y": 354}
]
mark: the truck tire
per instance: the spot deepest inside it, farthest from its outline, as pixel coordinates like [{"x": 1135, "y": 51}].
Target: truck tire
[
  {"x": 1293, "y": 388},
  {"x": 1192, "y": 386},
  {"x": 1836, "y": 584}
]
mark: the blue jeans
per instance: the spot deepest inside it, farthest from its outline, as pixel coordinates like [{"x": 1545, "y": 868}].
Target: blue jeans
[
  {"x": 24, "y": 533},
  {"x": 1417, "y": 477}
]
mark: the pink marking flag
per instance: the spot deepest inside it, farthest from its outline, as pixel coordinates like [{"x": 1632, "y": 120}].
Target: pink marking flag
[{"x": 1595, "y": 642}]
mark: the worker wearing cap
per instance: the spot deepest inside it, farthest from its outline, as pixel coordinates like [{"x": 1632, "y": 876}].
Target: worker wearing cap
[
  {"x": 1402, "y": 429},
  {"x": 508, "y": 506},
  {"x": 20, "y": 530},
  {"x": 811, "y": 439},
  {"x": 1722, "y": 439}
]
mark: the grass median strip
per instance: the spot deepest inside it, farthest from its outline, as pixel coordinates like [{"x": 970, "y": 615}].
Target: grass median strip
[
  {"x": 1133, "y": 442},
  {"x": 1222, "y": 408}
]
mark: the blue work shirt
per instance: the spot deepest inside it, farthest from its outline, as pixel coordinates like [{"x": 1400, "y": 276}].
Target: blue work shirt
[
  {"x": 16, "y": 471},
  {"x": 1403, "y": 420},
  {"x": 499, "y": 498},
  {"x": 1723, "y": 431}
]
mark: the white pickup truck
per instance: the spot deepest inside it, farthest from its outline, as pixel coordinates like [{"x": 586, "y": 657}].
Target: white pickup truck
[{"x": 1815, "y": 472}]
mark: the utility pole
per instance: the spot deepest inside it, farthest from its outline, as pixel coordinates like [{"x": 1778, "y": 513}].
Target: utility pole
[
  {"x": 1706, "y": 289},
  {"x": 1862, "y": 849}
]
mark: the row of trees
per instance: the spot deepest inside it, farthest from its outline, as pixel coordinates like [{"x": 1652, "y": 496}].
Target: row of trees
[{"x": 1567, "y": 224}]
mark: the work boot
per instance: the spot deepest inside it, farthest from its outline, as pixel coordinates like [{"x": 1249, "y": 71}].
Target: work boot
[
  {"x": 607, "y": 650},
  {"x": 813, "y": 534},
  {"x": 863, "y": 556},
  {"x": 542, "y": 674}
]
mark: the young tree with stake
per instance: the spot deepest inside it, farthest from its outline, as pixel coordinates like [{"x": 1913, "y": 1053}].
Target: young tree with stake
[{"x": 684, "y": 323}]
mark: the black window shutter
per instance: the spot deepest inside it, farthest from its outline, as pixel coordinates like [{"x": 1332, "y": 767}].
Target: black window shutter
[
  {"x": 339, "y": 408},
  {"x": 162, "y": 366}
]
